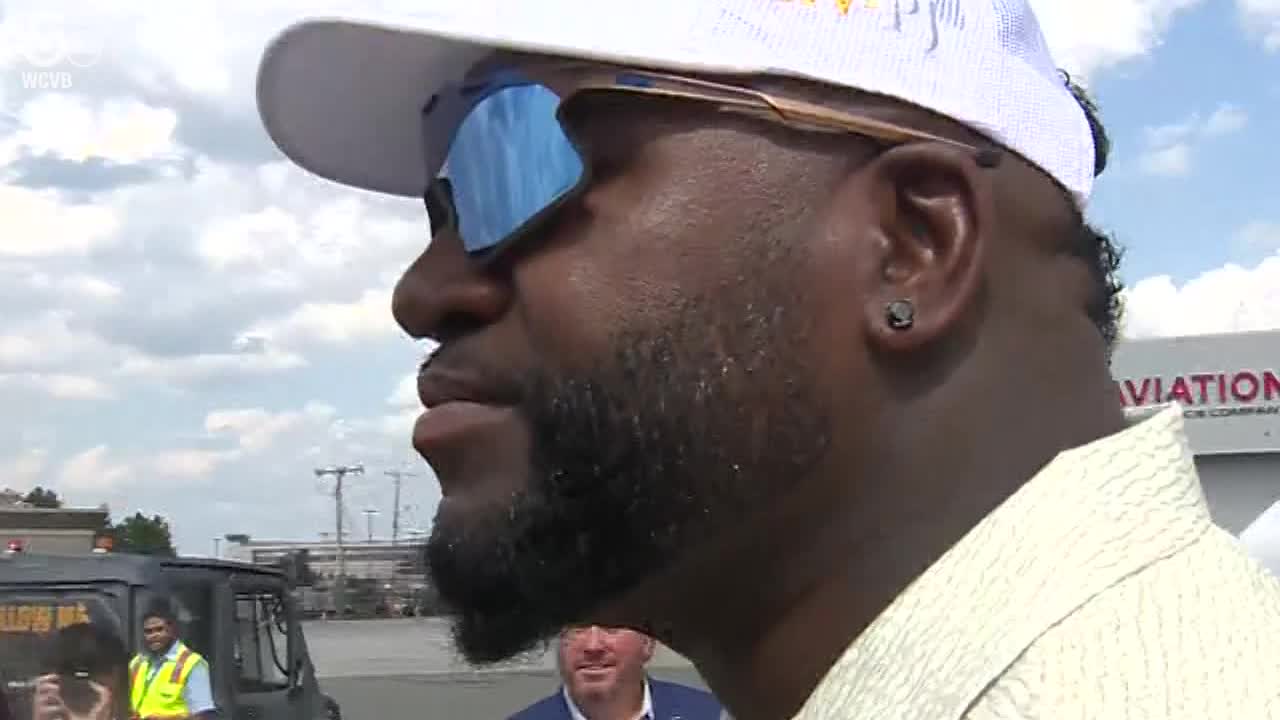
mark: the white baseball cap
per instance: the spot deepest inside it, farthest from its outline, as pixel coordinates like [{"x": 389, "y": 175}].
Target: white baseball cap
[{"x": 342, "y": 96}]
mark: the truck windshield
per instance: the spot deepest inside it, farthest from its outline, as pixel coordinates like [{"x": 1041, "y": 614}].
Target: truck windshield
[{"x": 30, "y": 623}]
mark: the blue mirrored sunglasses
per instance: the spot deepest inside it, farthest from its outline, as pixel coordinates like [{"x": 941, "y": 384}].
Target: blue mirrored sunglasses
[{"x": 512, "y": 162}]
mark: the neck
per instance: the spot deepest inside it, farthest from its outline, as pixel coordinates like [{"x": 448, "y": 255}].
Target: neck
[
  {"x": 623, "y": 704},
  {"x": 773, "y": 610}
]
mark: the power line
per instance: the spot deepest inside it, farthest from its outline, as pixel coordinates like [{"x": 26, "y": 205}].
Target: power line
[
  {"x": 339, "y": 473},
  {"x": 397, "y": 476}
]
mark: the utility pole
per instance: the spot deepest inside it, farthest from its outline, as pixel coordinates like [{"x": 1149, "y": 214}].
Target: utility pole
[
  {"x": 397, "y": 475},
  {"x": 339, "y": 473},
  {"x": 368, "y": 519}
]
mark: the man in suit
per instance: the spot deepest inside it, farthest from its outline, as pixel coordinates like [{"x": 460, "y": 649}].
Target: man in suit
[{"x": 603, "y": 671}]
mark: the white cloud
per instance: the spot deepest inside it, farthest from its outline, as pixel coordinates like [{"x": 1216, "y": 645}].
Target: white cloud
[
  {"x": 1260, "y": 235},
  {"x": 18, "y": 350},
  {"x": 1263, "y": 18},
  {"x": 1170, "y": 134},
  {"x": 204, "y": 47},
  {"x": 81, "y": 284},
  {"x": 1171, "y": 161},
  {"x": 36, "y": 223},
  {"x": 46, "y": 347},
  {"x": 194, "y": 44},
  {"x": 1087, "y": 36},
  {"x": 25, "y": 469},
  {"x": 256, "y": 429},
  {"x": 73, "y": 387},
  {"x": 400, "y": 425},
  {"x": 1227, "y": 299},
  {"x": 189, "y": 369},
  {"x": 45, "y": 342},
  {"x": 67, "y": 126},
  {"x": 404, "y": 399},
  {"x": 1226, "y": 120},
  {"x": 335, "y": 323},
  {"x": 191, "y": 464},
  {"x": 253, "y": 239},
  {"x": 1170, "y": 148},
  {"x": 405, "y": 394},
  {"x": 59, "y": 386},
  {"x": 95, "y": 471}
]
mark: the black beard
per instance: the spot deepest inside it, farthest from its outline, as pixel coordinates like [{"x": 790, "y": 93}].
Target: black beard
[{"x": 680, "y": 437}]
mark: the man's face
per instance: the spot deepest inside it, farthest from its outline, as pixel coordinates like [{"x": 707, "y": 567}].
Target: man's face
[
  {"x": 647, "y": 355},
  {"x": 157, "y": 634},
  {"x": 598, "y": 662}
]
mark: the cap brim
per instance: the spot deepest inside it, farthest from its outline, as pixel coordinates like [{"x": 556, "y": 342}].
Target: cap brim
[{"x": 343, "y": 97}]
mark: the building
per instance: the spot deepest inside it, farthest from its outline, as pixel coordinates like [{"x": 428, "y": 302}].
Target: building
[
  {"x": 1229, "y": 387},
  {"x": 64, "y": 531},
  {"x": 378, "y": 560}
]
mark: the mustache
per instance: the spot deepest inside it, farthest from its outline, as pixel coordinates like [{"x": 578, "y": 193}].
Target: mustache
[{"x": 508, "y": 385}]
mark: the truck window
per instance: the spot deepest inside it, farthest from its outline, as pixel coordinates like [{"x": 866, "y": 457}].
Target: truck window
[
  {"x": 30, "y": 619},
  {"x": 191, "y": 598},
  {"x": 261, "y": 642}
]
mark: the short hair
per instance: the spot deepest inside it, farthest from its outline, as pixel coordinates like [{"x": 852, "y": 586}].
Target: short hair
[
  {"x": 89, "y": 648},
  {"x": 160, "y": 608},
  {"x": 1097, "y": 248}
]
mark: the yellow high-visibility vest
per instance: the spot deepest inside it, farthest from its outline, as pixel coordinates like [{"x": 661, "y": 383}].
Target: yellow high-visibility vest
[{"x": 159, "y": 694}]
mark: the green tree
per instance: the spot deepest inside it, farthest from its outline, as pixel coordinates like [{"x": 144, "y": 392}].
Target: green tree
[
  {"x": 42, "y": 498},
  {"x": 143, "y": 535}
]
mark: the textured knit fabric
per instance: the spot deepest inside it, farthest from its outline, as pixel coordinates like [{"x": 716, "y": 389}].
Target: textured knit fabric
[
  {"x": 982, "y": 63},
  {"x": 1100, "y": 591}
]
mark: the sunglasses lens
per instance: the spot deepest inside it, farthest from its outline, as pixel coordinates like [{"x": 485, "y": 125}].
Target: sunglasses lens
[{"x": 509, "y": 162}]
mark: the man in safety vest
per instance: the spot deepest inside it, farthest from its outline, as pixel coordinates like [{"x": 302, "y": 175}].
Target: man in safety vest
[{"x": 168, "y": 680}]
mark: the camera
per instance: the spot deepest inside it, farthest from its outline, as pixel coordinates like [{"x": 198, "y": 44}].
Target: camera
[{"x": 78, "y": 692}]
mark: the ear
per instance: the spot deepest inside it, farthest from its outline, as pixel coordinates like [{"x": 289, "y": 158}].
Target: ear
[
  {"x": 927, "y": 208},
  {"x": 647, "y": 648}
]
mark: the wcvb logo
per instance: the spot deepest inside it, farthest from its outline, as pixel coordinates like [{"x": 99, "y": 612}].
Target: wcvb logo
[{"x": 46, "y": 50}]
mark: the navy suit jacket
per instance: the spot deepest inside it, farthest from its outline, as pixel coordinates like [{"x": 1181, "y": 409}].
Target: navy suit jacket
[{"x": 671, "y": 701}]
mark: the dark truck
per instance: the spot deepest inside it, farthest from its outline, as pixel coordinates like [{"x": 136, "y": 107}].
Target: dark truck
[{"x": 240, "y": 617}]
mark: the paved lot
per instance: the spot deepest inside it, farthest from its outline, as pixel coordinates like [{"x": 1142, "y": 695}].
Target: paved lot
[
  {"x": 479, "y": 696},
  {"x": 407, "y": 669}
]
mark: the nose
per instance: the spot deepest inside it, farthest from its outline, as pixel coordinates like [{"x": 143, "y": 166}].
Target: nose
[
  {"x": 594, "y": 639},
  {"x": 445, "y": 293}
]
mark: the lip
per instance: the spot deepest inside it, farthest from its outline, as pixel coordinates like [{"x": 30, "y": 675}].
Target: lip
[
  {"x": 595, "y": 670},
  {"x": 438, "y": 387},
  {"x": 459, "y": 407},
  {"x": 450, "y": 422}
]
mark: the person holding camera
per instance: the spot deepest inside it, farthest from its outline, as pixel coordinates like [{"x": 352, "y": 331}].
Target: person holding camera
[{"x": 86, "y": 676}]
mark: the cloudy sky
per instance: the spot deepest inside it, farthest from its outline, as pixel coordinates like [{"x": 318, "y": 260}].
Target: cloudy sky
[{"x": 191, "y": 325}]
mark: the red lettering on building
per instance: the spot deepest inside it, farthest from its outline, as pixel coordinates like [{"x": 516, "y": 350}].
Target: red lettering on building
[
  {"x": 1201, "y": 388},
  {"x": 1180, "y": 391},
  {"x": 1252, "y": 385}
]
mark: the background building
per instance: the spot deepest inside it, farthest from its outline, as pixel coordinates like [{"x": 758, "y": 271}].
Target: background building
[
  {"x": 382, "y": 578},
  {"x": 373, "y": 560},
  {"x": 61, "y": 531},
  {"x": 1229, "y": 386}
]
